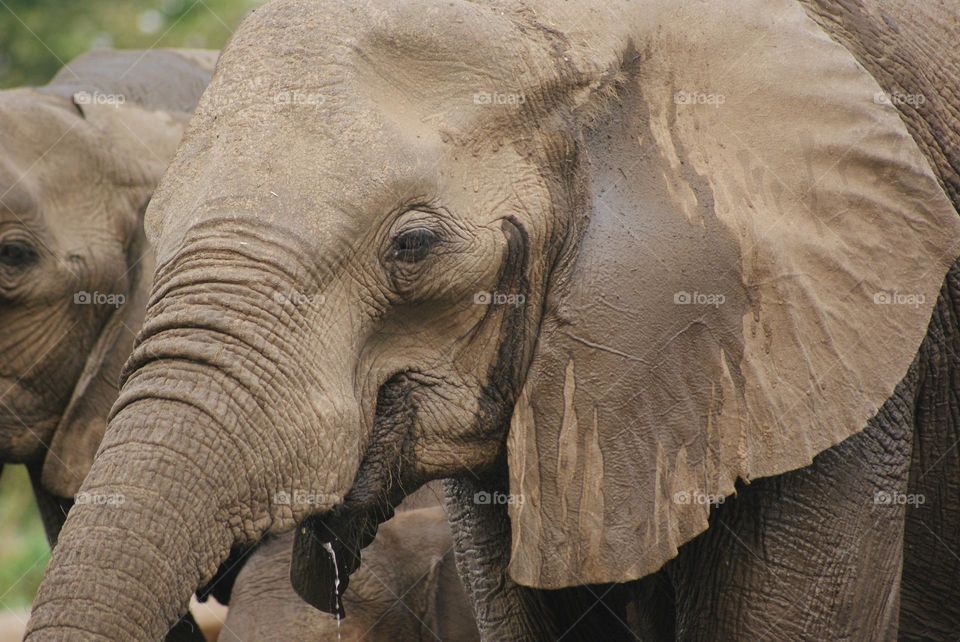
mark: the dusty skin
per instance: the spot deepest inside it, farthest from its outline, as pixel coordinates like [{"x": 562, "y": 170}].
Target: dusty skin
[{"x": 599, "y": 265}]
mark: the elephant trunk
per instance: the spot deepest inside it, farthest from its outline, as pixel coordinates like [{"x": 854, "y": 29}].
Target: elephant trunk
[
  {"x": 135, "y": 546},
  {"x": 216, "y": 428}
]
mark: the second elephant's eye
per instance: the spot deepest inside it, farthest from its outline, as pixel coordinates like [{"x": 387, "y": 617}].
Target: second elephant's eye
[
  {"x": 414, "y": 245},
  {"x": 17, "y": 254}
]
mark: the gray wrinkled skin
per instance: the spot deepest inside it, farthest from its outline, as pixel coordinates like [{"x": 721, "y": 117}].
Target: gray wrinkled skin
[{"x": 326, "y": 240}]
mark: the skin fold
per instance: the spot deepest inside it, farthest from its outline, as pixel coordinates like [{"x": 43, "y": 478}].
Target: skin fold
[
  {"x": 80, "y": 159},
  {"x": 390, "y": 253}
]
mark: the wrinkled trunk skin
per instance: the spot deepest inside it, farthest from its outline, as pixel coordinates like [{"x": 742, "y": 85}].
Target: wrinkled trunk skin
[
  {"x": 481, "y": 535},
  {"x": 217, "y": 415},
  {"x": 158, "y": 528}
]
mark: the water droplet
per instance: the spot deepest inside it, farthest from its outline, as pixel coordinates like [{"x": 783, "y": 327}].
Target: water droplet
[{"x": 336, "y": 583}]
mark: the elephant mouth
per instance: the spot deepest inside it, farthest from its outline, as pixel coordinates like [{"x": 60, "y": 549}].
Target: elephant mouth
[
  {"x": 327, "y": 547},
  {"x": 326, "y": 552}
]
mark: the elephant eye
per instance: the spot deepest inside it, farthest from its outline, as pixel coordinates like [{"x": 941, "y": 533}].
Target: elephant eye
[
  {"x": 17, "y": 254},
  {"x": 414, "y": 245}
]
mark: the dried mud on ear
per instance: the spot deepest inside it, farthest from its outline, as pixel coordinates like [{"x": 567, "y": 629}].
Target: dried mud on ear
[
  {"x": 725, "y": 316},
  {"x": 559, "y": 452}
]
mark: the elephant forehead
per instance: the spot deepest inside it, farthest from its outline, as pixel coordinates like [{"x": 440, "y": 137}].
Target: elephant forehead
[
  {"x": 337, "y": 107},
  {"x": 44, "y": 139},
  {"x": 54, "y": 169},
  {"x": 31, "y": 128},
  {"x": 45, "y": 158},
  {"x": 348, "y": 68}
]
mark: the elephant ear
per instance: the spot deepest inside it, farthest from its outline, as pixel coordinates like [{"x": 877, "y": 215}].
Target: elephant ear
[
  {"x": 84, "y": 421},
  {"x": 764, "y": 246},
  {"x": 141, "y": 140},
  {"x": 139, "y": 143}
]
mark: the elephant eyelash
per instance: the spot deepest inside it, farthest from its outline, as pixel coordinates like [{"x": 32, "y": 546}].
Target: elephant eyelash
[{"x": 414, "y": 245}]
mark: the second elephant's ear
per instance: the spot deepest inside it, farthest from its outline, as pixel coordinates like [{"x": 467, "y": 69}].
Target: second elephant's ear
[
  {"x": 139, "y": 144},
  {"x": 764, "y": 248},
  {"x": 140, "y": 140},
  {"x": 82, "y": 424}
]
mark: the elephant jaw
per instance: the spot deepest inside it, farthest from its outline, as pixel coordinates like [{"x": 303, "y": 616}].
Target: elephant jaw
[{"x": 326, "y": 551}]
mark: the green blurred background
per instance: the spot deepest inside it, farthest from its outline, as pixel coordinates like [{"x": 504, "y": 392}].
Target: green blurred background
[
  {"x": 23, "y": 546},
  {"x": 36, "y": 37}
]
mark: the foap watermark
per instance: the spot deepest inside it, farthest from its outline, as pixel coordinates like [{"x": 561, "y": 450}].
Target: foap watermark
[
  {"x": 899, "y": 298},
  {"x": 897, "y": 98},
  {"x": 99, "y": 499},
  {"x": 496, "y": 498},
  {"x": 498, "y": 298},
  {"x": 299, "y": 98},
  {"x": 699, "y": 298},
  {"x": 99, "y": 298},
  {"x": 304, "y": 498},
  {"x": 698, "y": 98},
  {"x": 99, "y": 98},
  {"x": 896, "y": 498},
  {"x": 497, "y": 98},
  {"x": 696, "y": 497},
  {"x": 298, "y": 299}
]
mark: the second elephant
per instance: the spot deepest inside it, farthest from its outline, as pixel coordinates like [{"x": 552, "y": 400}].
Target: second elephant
[{"x": 80, "y": 159}]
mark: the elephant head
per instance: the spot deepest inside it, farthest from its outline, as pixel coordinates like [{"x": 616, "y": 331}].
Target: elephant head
[
  {"x": 584, "y": 240},
  {"x": 79, "y": 160}
]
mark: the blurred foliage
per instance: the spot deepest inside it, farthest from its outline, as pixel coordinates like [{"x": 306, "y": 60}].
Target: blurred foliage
[
  {"x": 38, "y": 36},
  {"x": 23, "y": 545}
]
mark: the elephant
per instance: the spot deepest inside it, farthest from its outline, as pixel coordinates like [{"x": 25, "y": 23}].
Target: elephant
[
  {"x": 80, "y": 158},
  {"x": 407, "y": 589},
  {"x": 665, "y": 290}
]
